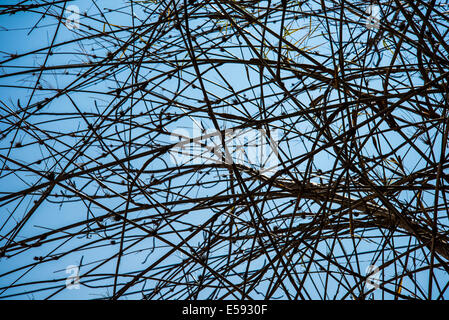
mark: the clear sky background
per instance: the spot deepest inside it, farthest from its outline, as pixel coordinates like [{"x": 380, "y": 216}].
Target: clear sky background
[{"x": 25, "y": 32}]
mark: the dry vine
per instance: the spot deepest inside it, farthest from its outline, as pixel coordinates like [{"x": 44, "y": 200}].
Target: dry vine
[{"x": 97, "y": 174}]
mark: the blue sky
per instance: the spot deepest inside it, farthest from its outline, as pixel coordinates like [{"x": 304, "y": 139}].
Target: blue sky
[{"x": 60, "y": 118}]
